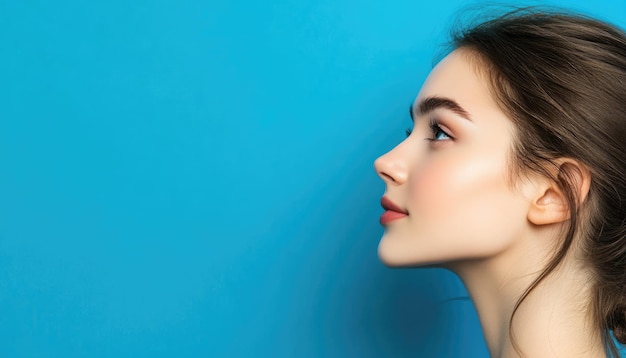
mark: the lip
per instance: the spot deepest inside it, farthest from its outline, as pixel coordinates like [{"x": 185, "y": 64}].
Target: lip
[{"x": 392, "y": 211}]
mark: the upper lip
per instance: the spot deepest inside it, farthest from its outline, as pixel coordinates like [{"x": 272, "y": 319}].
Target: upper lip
[{"x": 387, "y": 204}]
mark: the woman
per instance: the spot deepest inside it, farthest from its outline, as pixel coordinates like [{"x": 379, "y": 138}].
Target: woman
[{"x": 513, "y": 177}]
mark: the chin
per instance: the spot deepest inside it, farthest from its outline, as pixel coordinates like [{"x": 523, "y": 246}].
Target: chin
[
  {"x": 397, "y": 254},
  {"x": 393, "y": 256},
  {"x": 390, "y": 261},
  {"x": 387, "y": 256}
]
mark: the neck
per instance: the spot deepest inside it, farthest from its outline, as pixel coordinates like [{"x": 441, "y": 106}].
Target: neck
[{"x": 552, "y": 321}]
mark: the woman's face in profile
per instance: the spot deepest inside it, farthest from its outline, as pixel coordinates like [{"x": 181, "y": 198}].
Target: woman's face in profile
[{"x": 451, "y": 174}]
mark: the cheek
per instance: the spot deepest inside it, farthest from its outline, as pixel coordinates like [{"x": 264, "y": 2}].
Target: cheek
[
  {"x": 463, "y": 204},
  {"x": 439, "y": 186}
]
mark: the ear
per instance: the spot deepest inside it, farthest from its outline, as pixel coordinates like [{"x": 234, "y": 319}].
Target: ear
[{"x": 549, "y": 204}]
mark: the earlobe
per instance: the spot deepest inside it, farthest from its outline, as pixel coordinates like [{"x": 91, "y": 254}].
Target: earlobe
[{"x": 550, "y": 204}]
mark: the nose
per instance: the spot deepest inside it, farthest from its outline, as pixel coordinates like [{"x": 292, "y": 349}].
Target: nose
[{"x": 392, "y": 167}]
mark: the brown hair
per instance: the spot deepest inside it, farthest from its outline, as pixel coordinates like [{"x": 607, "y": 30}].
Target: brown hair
[{"x": 561, "y": 77}]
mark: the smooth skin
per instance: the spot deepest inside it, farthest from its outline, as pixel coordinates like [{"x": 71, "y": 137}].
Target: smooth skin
[{"x": 468, "y": 213}]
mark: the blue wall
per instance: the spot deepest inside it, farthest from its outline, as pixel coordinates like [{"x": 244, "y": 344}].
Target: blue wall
[{"x": 194, "y": 179}]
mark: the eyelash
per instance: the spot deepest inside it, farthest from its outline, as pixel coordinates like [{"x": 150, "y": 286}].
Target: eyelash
[{"x": 435, "y": 128}]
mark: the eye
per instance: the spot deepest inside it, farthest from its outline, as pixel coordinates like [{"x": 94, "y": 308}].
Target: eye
[
  {"x": 437, "y": 133},
  {"x": 408, "y": 132}
]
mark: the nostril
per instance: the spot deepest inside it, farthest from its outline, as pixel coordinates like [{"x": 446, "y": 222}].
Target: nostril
[
  {"x": 391, "y": 168},
  {"x": 382, "y": 169},
  {"x": 386, "y": 177}
]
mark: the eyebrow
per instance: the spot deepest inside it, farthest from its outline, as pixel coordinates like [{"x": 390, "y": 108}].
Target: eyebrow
[{"x": 429, "y": 104}]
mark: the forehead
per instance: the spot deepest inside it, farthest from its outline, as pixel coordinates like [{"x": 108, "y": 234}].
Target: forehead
[{"x": 458, "y": 77}]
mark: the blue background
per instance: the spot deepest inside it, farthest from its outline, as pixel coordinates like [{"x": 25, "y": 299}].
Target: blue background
[{"x": 194, "y": 179}]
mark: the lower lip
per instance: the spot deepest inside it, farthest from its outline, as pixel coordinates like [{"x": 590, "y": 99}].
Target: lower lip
[{"x": 390, "y": 215}]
